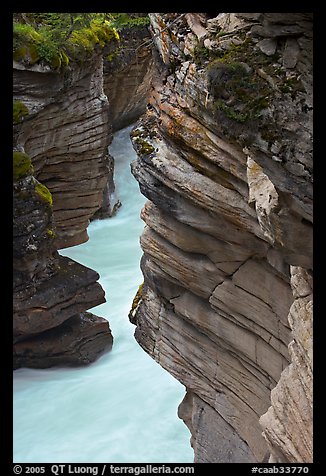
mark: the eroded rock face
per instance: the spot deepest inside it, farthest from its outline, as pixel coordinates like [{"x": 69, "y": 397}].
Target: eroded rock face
[
  {"x": 78, "y": 341},
  {"x": 229, "y": 183},
  {"x": 50, "y": 292},
  {"x": 287, "y": 424},
  {"x": 67, "y": 134},
  {"x": 127, "y": 77},
  {"x": 126, "y": 83}
]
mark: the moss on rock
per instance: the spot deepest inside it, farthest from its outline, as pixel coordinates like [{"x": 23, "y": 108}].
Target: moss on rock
[
  {"x": 43, "y": 193},
  {"x": 138, "y": 136},
  {"x": 51, "y": 234},
  {"x": 145, "y": 148},
  {"x": 136, "y": 303},
  {"x": 19, "y": 111},
  {"x": 22, "y": 165},
  {"x": 237, "y": 90},
  {"x": 57, "y": 38}
]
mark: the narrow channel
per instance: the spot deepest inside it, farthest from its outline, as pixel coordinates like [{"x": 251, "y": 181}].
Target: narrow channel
[{"x": 122, "y": 408}]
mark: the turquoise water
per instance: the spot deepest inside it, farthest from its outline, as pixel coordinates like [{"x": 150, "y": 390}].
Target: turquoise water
[{"x": 123, "y": 407}]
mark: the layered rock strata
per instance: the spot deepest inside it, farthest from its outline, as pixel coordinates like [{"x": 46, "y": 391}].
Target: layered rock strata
[
  {"x": 127, "y": 77},
  {"x": 63, "y": 124},
  {"x": 126, "y": 84},
  {"x": 224, "y": 157},
  {"x": 50, "y": 292},
  {"x": 67, "y": 134},
  {"x": 64, "y": 132},
  {"x": 288, "y": 426}
]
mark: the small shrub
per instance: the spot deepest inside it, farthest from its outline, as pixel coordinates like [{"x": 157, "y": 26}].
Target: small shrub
[{"x": 122, "y": 20}]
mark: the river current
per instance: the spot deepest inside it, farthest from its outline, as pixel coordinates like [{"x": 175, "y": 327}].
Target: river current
[{"x": 123, "y": 407}]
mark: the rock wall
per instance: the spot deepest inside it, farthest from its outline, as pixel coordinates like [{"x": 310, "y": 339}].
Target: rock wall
[
  {"x": 127, "y": 77},
  {"x": 288, "y": 426},
  {"x": 225, "y": 159},
  {"x": 64, "y": 126},
  {"x": 67, "y": 134},
  {"x": 50, "y": 292},
  {"x": 126, "y": 83},
  {"x": 61, "y": 166}
]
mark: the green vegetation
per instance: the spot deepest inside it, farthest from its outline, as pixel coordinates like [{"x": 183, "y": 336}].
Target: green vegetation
[
  {"x": 238, "y": 91},
  {"x": 51, "y": 233},
  {"x": 144, "y": 147},
  {"x": 121, "y": 21},
  {"x": 57, "y": 38},
  {"x": 201, "y": 54},
  {"x": 22, "y": 165},
  {"x": 43, "y": 193},
  {"x": 19, "y": 111},
  {"x": 237, "y": 81},
  {"x": 136, "y": 303}
]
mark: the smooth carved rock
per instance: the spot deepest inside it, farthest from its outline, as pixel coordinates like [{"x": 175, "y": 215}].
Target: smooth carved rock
[
  {"x": 185, "y": 268},
  {"x": 67, "y": 135},
  {"x": 226, "y": 256},
  {"x": 72, "y": 289},
  {"x": 212, "y": 368},
  {"x": 287, "y": 424},
  {"x": 78, "y": 341},
  {"x": 127, "y": 78},
  {"x": 209, "y": 429},
  {"x": 230, "y": 211},
  {"x": 34, "y": 253},
  {"x": 50, "y": 292}
]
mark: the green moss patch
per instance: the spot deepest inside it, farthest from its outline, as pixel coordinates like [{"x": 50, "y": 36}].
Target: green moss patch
[
  {"x": 55, "y": 39},
  {"x": 145, "y": 148},
  {"x": 51, "y": 234},
  {"x": 136, "y": 303},
  {"x": 97, "y": 33},
  {"x": 19, "y": 111},
  {"x": 43, "y": 193},
  {"x": 237, "y": 90},
  {"x": 22, "y": 165},
  {"x": 123, "y": 21},
  {"x": 237, "y": 85}
]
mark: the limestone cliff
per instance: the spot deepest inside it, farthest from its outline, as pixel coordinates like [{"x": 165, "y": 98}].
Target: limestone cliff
[
  {"x": 127, "y": 77},
  {"x": 225, "y": 159},
  {"x": 126, "y": 84},
  {"x": 61, "y": 165},
  {"x": 50, "y": 292},
  {"x": 63, "y": 174},
  {"x": 67, "y": 134}
]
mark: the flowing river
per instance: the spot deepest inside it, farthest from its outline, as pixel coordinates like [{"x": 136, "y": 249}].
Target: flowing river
[{"x": 123, "y": 407}]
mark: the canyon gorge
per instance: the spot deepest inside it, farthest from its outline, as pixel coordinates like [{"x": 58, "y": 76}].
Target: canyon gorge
[{"x": 224, "y": 158}]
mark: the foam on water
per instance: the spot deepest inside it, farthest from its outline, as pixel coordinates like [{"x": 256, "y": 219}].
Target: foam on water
[{"x": 122, "y": 408}]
